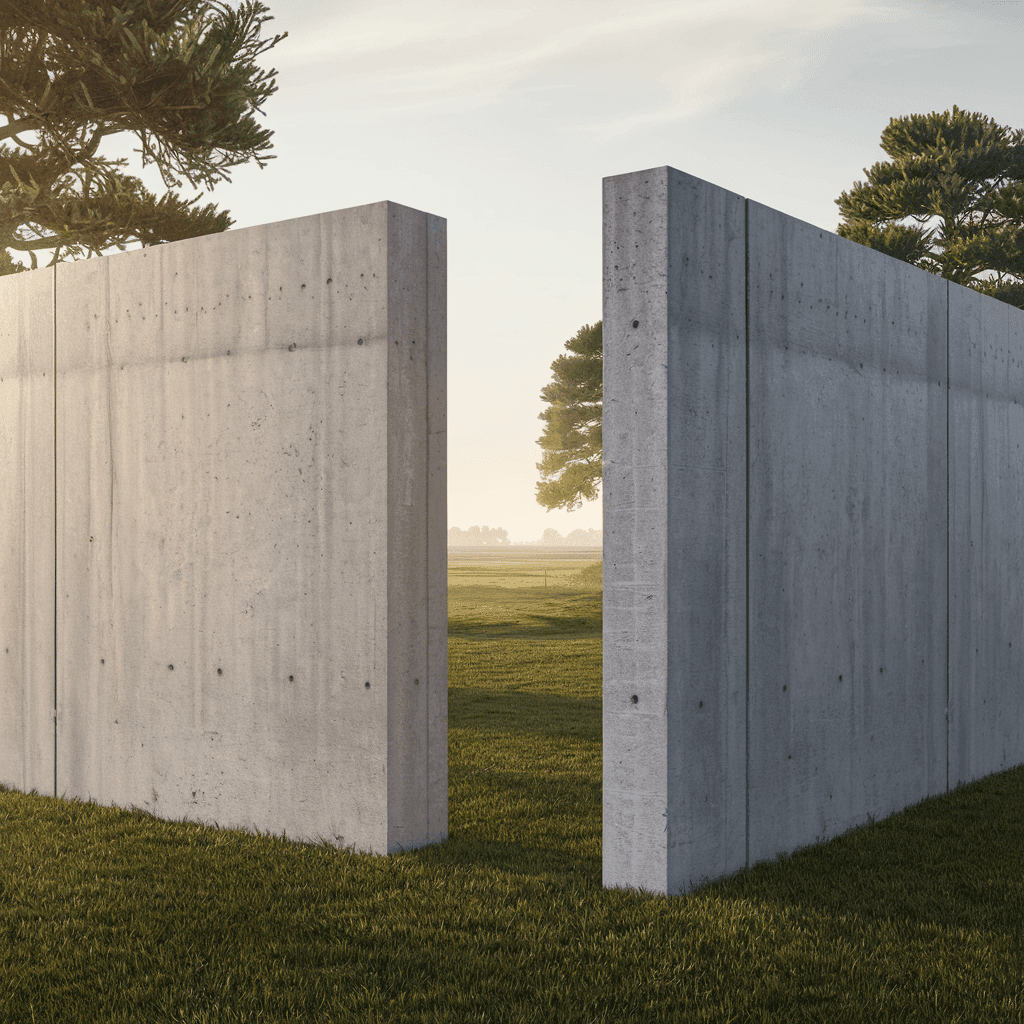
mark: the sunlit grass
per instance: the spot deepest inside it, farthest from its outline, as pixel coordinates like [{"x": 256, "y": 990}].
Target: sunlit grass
[{"x": 110, "y": 915}]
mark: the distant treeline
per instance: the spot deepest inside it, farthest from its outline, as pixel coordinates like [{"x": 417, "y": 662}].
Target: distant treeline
[{"x": 477, "y": 535}]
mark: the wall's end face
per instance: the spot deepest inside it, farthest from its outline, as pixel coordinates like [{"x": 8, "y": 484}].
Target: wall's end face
[
  {"x": 250, "y": 510},
  {"x": 674, "y": 786},
  {"x": 776, "y": 592}
]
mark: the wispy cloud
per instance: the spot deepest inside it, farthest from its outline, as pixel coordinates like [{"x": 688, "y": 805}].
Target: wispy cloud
[{"x": 379, "y": 60}]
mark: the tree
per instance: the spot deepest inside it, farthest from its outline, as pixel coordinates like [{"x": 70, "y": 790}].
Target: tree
[
  {"x": 66, "y": 65},
  {"x": 958, "y": 168},
  {"x": 572, "y": 437}
]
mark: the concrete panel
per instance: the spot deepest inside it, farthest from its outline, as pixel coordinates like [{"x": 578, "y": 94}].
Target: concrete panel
[
  {"x": 986, "y": 542},
  {"x": 847, "y": 534},
  {"x": 251, "y": 526},
  {"x": 780, "y": 566},
  {"x": 27, "y": 530}
]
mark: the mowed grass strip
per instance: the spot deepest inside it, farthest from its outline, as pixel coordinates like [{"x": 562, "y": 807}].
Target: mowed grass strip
[{"x": 116, "y": 916}]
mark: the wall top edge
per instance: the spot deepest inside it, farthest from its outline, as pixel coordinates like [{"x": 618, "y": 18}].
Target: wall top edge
[
  {"x": 383, "y": 208},
  {"x": 662, "y": 172},
  {"x": 627, "y": 187}
]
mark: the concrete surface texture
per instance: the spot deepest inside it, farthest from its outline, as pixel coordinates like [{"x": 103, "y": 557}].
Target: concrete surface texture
[
  {"x": 223, "y": 549},
  {"x": 813, "y": 533}
]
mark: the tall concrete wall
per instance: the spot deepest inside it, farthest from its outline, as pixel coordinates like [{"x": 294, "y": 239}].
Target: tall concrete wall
[
  {"x": 223, "y": 590},
  {"x": 813, "y": 533}
]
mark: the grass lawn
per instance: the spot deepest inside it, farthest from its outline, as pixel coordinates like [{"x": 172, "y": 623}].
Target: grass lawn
[{"x": 116, "y": 916}]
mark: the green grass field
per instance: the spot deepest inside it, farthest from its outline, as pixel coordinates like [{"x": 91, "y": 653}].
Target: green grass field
[{"x": 116, "y": 916}]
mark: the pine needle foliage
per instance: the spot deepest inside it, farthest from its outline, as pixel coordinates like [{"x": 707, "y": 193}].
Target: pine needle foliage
[
  {"x": 963, "y": 168},
  {"x": 178, "y": 73},
  {"x": 572, "y": 437}
]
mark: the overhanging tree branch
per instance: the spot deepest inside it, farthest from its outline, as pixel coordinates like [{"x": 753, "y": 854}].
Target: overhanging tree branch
[{"x": 186, "y": 89}]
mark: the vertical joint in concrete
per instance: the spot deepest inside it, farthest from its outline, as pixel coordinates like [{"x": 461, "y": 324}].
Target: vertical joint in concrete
[{"x": 746, "y": 563}]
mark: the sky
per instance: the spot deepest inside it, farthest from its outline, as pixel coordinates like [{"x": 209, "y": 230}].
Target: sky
[{"x": 504, "y": 118}]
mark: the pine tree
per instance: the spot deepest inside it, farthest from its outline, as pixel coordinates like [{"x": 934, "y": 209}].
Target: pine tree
[
  {"x": 965, "y": 169},
  {"x": 572, "y": 437},
  {"x": 75, "y": 71}
]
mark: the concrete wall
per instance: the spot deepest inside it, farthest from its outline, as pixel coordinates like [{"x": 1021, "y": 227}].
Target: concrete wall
[
  {"x": 224, "y": 588},
  {"x": 813, "y": 533}
]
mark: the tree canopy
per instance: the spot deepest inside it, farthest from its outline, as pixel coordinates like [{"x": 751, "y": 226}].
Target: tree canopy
[
  {"x": 572, "y": 437},
  {"x": 174, "y": 72},
  {"x": 963, "y": 168}
]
